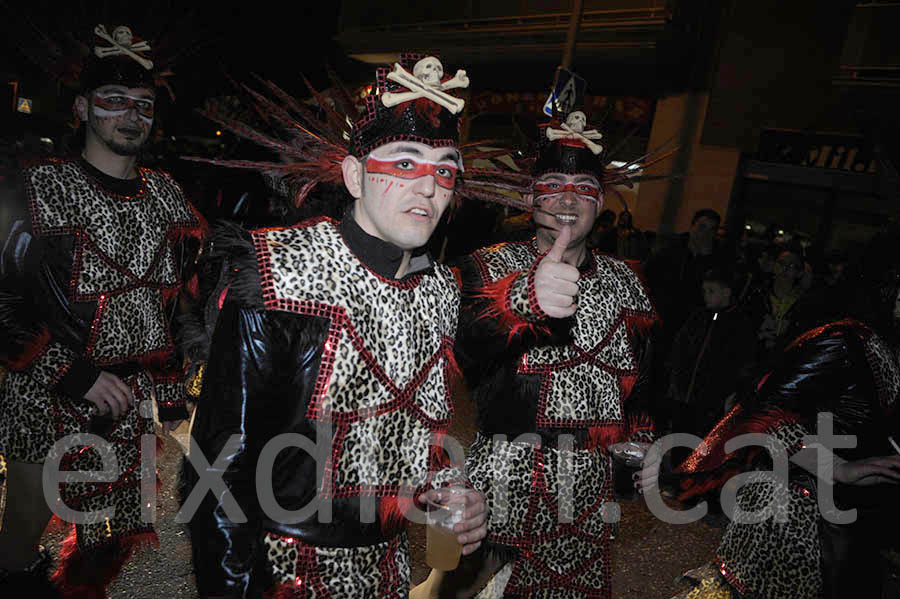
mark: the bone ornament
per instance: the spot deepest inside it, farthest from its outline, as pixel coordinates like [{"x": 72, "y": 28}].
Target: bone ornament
[
  {"x": 577, "y": 121},
  {"x": 573, "y": 128},
  {"x": 426, "y": 83},
  {"x": 122, "y": 45}
]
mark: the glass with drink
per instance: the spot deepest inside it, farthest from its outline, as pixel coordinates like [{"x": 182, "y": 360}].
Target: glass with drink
[{"x": 442, "y": 550}]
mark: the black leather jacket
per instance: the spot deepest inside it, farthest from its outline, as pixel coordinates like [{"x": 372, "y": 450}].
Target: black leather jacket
[{"x": 260, "y": 382}]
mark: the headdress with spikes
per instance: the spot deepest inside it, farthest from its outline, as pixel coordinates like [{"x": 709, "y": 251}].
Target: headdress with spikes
[
  {"x": 409, "y": 102},
  {"x": 568, "y": 144}
]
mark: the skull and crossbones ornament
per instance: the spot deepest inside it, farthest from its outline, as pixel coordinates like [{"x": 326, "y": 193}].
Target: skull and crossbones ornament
[
  {"x": 573, "y": 128},
  {"x": 122, "y": 40},
  {"x": 425, "y": 82}
]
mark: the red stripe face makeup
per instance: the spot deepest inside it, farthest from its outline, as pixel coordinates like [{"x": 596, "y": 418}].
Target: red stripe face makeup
[
  {"x": 116, "y": 104},
  {"x": 407, "y": 166},
  {"x": 584, "y": 190}
]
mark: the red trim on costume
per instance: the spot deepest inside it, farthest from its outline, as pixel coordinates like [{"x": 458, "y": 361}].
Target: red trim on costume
[
  {"x": 458, "y": 276},
  {"x": 710, "y": 455},
  {"x": 605, "y": 435},
  {"x": 542, "y": 500},
  {"x": 223, "y": 295},
  {"x": 392, "y": 512},
  {"x": 342, "y": 325},
  {"x": 497, "y": 293},
  {"x": 80, "y": 577},
  {"x": 728, "y": 575}
]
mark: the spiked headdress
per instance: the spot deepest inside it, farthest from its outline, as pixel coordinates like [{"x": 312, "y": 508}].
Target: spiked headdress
[{"x": 408, "y": 102}]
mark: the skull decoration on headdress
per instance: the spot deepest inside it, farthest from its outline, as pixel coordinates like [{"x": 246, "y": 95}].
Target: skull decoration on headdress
[
  {"x": 118, "y": 58},
  {"x": 569, "y": 146},
  {"x": 412, "y": 106}
]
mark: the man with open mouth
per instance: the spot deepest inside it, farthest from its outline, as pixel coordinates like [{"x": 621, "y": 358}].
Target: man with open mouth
[{"x": 339, "y": 333}]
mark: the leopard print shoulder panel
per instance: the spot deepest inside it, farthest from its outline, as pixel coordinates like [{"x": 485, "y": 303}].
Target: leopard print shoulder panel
[
  {"x": 885, "y": 365},
  {"x": 582, "y": 383},
  {"x": 126, "y": 268},
  {"x": 383, "y": 379},
  {"x": 502, "y": 259}
]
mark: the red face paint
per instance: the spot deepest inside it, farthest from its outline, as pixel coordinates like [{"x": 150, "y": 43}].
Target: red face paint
[
  {"x": 410, "y": 167},
  {"x": 117, "y": 104},
  {"x": 584, "y": 190}
]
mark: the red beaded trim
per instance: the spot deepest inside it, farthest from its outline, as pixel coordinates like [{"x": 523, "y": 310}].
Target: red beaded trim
[
  {"x": 341, "y": 323},
  {"x": 541, "y": 499},
  {"x": 95, "y": 326},
  {"x": 129, "y": 477},
  {"x": 533, "y": 305},
  {"x": 140, "y": 193},
  {"x": 584, "y": 357},
  {"x": 728, "y": 575},
  {"x": 308, "y": 572}
]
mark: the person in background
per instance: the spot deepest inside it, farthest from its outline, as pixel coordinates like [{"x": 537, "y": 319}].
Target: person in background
[
  {"x": 95, "y": 254},
  {"x": 779, "y": 306},
  {"x": 711, "y": 358},
  {"x": 603, "y": 235}
]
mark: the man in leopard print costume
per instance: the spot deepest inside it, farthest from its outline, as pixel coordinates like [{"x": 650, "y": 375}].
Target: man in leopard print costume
[
  {"x": 340, "y": 329},
  {"x": 92, "y": 264},
  {"x": 850, "y": 370},
  {"x": 554, "y": 389}
]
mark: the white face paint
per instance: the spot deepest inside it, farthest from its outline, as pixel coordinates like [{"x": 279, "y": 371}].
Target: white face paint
[
  {"x": 114, "y": 104},
  {"x": 576, "y": 121},
  {"x": 429, "y": 70}
]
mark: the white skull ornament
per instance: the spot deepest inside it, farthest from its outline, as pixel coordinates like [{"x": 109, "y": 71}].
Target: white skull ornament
[
  {"x": 123, "y": 36},
  {"x": 576, "y": 121},
  {"x": 429, "y": 70}
]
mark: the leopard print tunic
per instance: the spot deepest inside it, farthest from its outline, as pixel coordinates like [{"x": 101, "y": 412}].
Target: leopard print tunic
[
  {"x": 582, "y": 383},
  {"x": 125, "y": 269},
  {"x": 556, "y": 506},
  {"x": 383, "y": 384}
]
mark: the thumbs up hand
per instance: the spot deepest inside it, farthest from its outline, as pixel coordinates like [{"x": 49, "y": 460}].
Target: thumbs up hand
[{"x": 555, "y": 281}]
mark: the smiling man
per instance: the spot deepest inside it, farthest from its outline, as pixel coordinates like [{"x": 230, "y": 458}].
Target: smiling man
[
  {"x": 91, "y": 270},
  {"x": 556, "y": 375},
  {"x": 339, "y": 333}
]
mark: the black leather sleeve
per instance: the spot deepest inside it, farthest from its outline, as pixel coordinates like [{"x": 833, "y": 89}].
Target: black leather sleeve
[
  {"x": 35, "y": 312},
  {"x": 259, "y": 379}
]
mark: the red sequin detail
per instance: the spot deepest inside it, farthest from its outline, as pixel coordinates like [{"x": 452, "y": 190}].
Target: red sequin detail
[{"x": 340, "y": 323}]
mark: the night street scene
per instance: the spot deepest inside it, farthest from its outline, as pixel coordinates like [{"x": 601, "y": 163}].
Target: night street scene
[{"x": 587, "y": 299}]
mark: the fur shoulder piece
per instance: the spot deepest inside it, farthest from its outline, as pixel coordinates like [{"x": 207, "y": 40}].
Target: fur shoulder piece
[{"x": 227, "y": 271}]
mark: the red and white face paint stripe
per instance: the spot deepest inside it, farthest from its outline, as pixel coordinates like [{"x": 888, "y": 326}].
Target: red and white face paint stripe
[
  {"x": 116, "y": 104},
  {"x": 546, "y": 190},
  {"x": 407, "y": 166}
]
